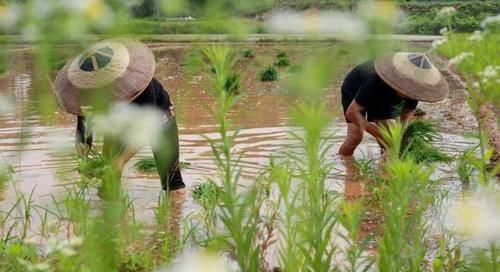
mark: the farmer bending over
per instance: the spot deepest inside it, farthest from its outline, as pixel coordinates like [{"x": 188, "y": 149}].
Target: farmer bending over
[
  {"x": 372, "y": 91},
  {"x": 121, "y": 70}
]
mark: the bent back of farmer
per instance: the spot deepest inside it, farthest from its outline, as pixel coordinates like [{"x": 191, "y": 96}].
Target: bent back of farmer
[{"x": 373, "y": 91}]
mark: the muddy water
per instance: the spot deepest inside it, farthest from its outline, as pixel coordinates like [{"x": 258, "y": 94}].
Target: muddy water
[{"x": 41, "y": 154}]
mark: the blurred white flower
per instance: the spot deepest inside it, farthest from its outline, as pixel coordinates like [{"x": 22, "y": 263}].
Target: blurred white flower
[
  {"x": 459, "y": 58},
  {"x": 477, "y": 218},
  {"x": 65, "y": 247},
  {"x": 489, "y": 72},
  {"x": 324, "y": 22},
  {"x": 446, "y": 11},
  {"x": 490, "y": 20},
  {"x": 9, "y": 15},
  {"x": 42, "y": 9},
  {"x": 476, "y": 85},
  {"x": 67, "y": 251},
  {"x": 198, "y": 261},
  {"x": 438, "y": 43},
  {"x": 476, "y": 36},
  {"x": 443, "y": 31},
  {"x": 6, "y": 105},
  {"x": 40, "y": 267},
  {"x": 132, "y": 125},
  {"x": 76, "y": 241}
]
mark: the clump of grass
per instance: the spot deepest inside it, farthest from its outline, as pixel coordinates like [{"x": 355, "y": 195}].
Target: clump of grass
[
  {"x": 92, "y": 166},
  {"x": 207, "y": 192},
  {"x": 232, "y": 85},
  {"x": 248, "y": 53},
  {"x": 464, "y": 168},
  {"x": 147, "y": 165},
  {"x": 282, "y": 60},
  {"x": 418, "y": 143},
  {"x": 282, "y": 54},
  {"x": 268, "y": 74}
]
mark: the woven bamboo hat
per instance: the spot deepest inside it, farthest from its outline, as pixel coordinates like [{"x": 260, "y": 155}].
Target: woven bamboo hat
[
  {"x": 413, "y": 75},
  {"x": 122, "y": 68}
]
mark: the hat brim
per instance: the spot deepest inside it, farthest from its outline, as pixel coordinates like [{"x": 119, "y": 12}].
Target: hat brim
[
  {"x": 408, "y": 86},
  {"x": 126, "y": 88}
]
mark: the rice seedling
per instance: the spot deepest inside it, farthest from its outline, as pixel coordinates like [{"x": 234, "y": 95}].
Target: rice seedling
[
  {"x": 418, "y": 143},
  {"x": 281, "y": 55},
  {"x": 248, "y": 53},
  {"x": 268, "y": 74},
  {"x": 464, "y": 168},
  {"x": 282, "y": 62},
  {"x": 147, "y": 165}
]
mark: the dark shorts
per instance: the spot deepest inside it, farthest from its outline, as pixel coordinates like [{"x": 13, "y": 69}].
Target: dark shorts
[{"x": 370, "y": 115}]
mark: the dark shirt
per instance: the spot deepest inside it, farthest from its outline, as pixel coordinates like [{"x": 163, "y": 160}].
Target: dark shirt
[
  {"x": 154, "y": 95},
  {"x": 378, "y": 98}
]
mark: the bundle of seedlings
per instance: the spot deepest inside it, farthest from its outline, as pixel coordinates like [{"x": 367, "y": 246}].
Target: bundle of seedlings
[{"x": 418, "y": 143}]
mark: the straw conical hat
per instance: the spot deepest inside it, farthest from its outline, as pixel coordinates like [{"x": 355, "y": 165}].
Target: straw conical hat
[
  {"x": 413, "y": 75},
  {"x": 121, "y": 67}
]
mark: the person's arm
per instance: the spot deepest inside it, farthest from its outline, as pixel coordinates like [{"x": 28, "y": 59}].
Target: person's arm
[
  {"x": 354, "y": 114},
  {"x": 406, "y": 115},
  {"x": 83, "y": 137},
  {"x": 408, "y": 110}
]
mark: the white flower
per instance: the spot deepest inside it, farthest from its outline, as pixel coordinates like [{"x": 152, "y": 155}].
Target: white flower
[
  {"x": 475, "y": 85},
  {"x": 438, "y": 43},
  {"x": 132, "y": 125},
  {"x": 490, "y": 20},
  {"x": 476, "y": 36},
  {"x": 198, "y": 261},
  {"x": 66, "y": 251},
  {"x": 9, "y": 15},
  {"x": 489, "y": 72},
  {"x": 446, "y": 12},
  {"x": 477, "y": 218},
  {"x": 324, "y": 22},
  {"x": 443, "y": 31},
  {"x": 458, "y": 59},
  {"x": 41, "y": 267},
  {"x": 76, "y": 241}
]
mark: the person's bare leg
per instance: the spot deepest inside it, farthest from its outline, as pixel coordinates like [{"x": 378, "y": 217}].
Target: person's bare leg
[{"x": 352, "y": 140}]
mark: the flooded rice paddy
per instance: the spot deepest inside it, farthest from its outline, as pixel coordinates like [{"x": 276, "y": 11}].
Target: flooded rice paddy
[{"x": 42, "y": 155}]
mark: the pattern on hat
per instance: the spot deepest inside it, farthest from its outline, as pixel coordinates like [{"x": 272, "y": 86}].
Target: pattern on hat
[
  {"x": 100, "y": 65},
  {"x": 115, "y": 69},
  {"x": 412, "y": 75}
]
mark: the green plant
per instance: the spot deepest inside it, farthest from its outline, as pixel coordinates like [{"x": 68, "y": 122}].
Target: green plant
[
  {"x": 232, "y": 85},
  {"x": 268, "y": 74},
  {"x": 464, "y": 168},
  {"x": 147, "y": 165},
  {"x": 405, "y": 186},
  {"x": 248, "y": 53},
  {"x": 282, "y": 55},
  {"x": 282, "y": 62},
  {"x": 418, "y": 143}
]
